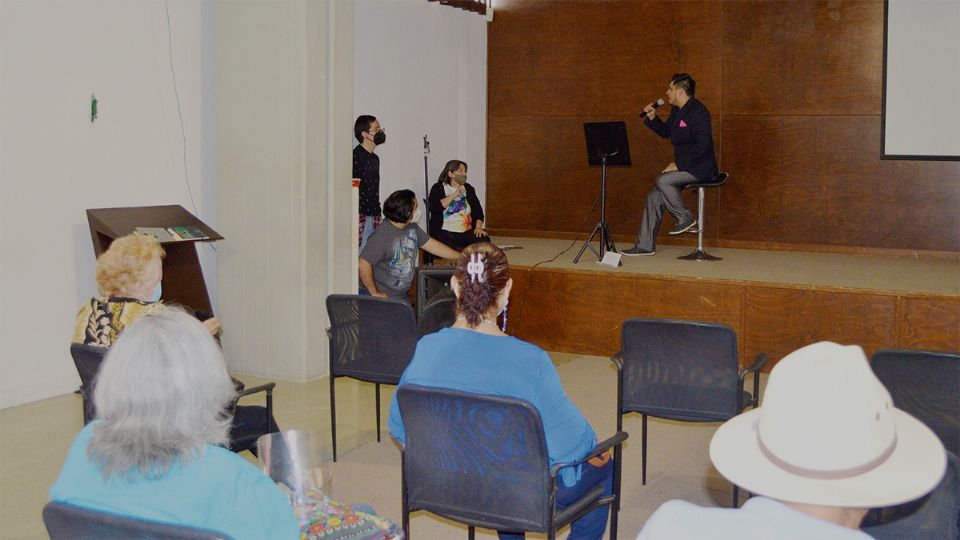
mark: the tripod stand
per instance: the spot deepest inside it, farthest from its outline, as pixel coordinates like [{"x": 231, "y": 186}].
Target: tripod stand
[{"x": 606, "y": 239}]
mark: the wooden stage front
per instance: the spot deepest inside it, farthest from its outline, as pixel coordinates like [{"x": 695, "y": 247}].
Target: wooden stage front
[{"x": 777, "y": 301}]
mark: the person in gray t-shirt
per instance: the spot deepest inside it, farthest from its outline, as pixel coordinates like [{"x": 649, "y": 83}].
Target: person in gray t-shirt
[{"x": 388, "y": 261}]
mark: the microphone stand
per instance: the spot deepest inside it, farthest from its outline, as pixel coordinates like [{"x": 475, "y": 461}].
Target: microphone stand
[
  {"x": 426, "y": 177},
  {"x": 606, "y": 239},
  {"x": 427, "y": 257}
]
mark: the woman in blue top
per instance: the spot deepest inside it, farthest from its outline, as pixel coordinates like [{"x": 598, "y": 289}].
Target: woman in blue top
[
  {"x": 476, "y": 356},
  {"x": 154, "y": 451}
]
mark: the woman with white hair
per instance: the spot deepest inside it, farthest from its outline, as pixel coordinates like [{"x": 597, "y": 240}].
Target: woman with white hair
[{"x": 154, "y": 451}]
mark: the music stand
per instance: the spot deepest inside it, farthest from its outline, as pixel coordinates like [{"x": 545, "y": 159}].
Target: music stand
[{"x": 606, "y": 146}]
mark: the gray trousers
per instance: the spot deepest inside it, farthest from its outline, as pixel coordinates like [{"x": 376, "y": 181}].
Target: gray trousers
[{"x": 666, "y": 194}]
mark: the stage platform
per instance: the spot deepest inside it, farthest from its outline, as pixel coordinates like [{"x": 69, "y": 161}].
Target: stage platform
[{"x": 776, "y": 301}]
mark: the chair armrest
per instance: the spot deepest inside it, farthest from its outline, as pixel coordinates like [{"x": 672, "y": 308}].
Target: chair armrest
[
  {"x": 754, "y": 368},
  {"x": 600, "y": 448},
  {"x": 267, "y": 387},
  {"x": 617, "y": 360}
]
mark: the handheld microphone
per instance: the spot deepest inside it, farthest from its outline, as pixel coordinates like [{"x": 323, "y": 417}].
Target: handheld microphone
[{"x": 658, "y": 103}]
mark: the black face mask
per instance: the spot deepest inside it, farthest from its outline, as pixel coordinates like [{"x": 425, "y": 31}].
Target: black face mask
[{"x": 380, "y": 138}]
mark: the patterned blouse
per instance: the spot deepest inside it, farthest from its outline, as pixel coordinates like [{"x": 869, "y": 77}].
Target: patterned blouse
[{"x": 101, "y": 320}]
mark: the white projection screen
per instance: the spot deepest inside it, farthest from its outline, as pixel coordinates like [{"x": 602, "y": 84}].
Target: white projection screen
[{"x": 921, "y": 80}]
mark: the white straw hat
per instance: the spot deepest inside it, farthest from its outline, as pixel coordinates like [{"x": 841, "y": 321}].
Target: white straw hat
[{"x": 827, "y": 433}]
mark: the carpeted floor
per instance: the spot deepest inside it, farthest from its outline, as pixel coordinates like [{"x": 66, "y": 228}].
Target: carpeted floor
[{"x": 904, "y": 274}]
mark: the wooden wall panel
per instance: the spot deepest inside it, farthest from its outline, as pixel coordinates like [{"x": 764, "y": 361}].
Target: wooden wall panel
[
  {"x": 801, "y": 57},
  {"x": 794, "y": 88},
  {"x": 546, "y": 183},
  {"x": 779, "y": 321},
  {"x": 818, "y": 179},
  {"x": 597, "y": 58},
  {"x": 582, "y": 312},
  {"x": 929, "y": 324},
  {"x": 550, "y": 187}
]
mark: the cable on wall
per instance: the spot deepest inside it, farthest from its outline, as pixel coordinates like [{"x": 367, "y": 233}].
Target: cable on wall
[{"x": 183, "y": 131}]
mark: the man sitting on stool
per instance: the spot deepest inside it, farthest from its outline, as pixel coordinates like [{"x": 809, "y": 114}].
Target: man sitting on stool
[{"x": 689, "y": 129}]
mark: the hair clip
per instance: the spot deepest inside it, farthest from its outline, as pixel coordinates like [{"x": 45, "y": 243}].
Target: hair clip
[{"x": 475, "y": 268}]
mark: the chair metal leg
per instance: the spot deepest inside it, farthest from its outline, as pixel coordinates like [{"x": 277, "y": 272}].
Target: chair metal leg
[
  {"x": 736, "y": 496},
  {"x": 700, "y": 196},
  {"x": 615, "y": 508},
  {"x": 377, "y": 385},
  {"x": 699, "y": 254},
  {"x": 333, "y": 417},
  {"x": 617, "y": 474},
  {"x": 404, "y": 503},
  {"x": 755, "y": 398},
  {"x": 643, "y": 453},
  {"x": 470, "y": 532},
  {"x": 269, "y": 410}
]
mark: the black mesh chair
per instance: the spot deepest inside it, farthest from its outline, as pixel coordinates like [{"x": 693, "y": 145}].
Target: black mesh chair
[
  {"x": 482, "y": 460},
  {"x": 249, "y": 422},
  {"x": 681, "y": 370},
  {"x": 87, "y": 359},
  {"x": 69, "y": 522},
  {"x": 935, "y": 516},
  {"x": 925, "y": 384},
  {"x": 372, "y": 340},
  {"x": 435, "y": 299}
]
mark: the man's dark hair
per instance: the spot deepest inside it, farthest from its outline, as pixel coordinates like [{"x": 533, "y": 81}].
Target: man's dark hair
[
  {"x": 685, "y": 81},
  {"x": 362, "y": 125},
  {"x": 399, "y": 205}
]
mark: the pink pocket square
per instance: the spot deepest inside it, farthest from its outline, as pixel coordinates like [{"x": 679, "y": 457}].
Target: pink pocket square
[{"x": 683, "y": 124}]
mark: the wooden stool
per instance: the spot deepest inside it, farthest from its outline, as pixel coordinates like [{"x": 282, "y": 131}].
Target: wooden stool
[{"x": 699, "y": 254}]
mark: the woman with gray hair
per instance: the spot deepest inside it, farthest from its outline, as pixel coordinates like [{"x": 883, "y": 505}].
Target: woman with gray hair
[{"x": 154, "y": 453}]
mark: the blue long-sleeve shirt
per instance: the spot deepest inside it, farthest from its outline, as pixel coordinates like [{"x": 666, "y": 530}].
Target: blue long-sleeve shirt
[
  {"x": 219, "y": 490},
  {"x": 505, "y": 366}
]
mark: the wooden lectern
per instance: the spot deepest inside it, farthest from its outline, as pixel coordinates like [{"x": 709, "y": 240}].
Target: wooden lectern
[{"x": 183, "y": 281}]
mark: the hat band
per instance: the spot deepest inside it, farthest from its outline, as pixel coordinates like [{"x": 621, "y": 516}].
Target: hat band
[{"x": 832, "y": 474}]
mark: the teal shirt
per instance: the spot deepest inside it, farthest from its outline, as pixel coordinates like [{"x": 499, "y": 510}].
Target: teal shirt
[
  {"x": 219, "y": 491},
  {"x": 504, "y": 366}
]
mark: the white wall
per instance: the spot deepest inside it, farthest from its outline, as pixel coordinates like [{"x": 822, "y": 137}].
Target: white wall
[
  {"x": 921, "y": 77},
  {"x": 284, "y": 90},
  {"x": 421, "y": 69},
  {"x": 268, "y": 122},
  {"x": 55, "y": 163}
]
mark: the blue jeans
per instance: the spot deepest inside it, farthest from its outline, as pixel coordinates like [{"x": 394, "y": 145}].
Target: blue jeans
[
  {"x": 362, "y": 291},
  {"x": 367, "y": 230},
  {"x": 592, "y": 525}
]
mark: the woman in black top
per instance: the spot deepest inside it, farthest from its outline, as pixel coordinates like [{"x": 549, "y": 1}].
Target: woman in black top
[{"x": 456, "y": 216}]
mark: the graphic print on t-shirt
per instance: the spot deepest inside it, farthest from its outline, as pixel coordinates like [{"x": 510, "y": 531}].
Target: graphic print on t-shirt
[
  {"x": 404, "y": 260},
  {"x": 456, "y": 217}
]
